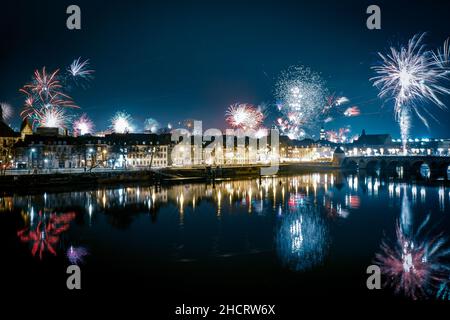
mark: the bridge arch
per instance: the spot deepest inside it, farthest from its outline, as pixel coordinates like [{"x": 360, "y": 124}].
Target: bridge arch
[
  {"x": 443, "y": 169},
  {"x": 350, "y": 164}
]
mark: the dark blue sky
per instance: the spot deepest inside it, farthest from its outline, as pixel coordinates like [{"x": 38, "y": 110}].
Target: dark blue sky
[{"x": 174, "y": 60}]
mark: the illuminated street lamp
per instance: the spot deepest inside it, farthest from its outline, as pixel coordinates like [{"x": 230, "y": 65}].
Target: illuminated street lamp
[{"x": 32, "y": 151}]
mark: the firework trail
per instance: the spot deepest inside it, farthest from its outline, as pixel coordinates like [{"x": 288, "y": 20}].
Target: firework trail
[
  {"x": 244, "y": 116},
  {"x": 415, "y": 263},
  {"x": 302, "y": 95},
  {"x": 122, "y": 122},
  {"x": 151, "y": 125},
  {"x": 76, "y": 255},
  {"x": 7, "y": 111},
  {"x": 83, "y": 125},
  {"x": 409, "y": 75}
]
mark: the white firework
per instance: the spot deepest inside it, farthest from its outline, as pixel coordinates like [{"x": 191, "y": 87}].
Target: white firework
[
  {"x": 7, "y": 111},
  {"x": 410, "y": 75},
  {"x": 80, "y": 69},
  {"x": 301, "y": 93},
  {"x": 151, "y": 125},
  {"x": 122, "y": 122},
  {"x": 53, "y": 117}
]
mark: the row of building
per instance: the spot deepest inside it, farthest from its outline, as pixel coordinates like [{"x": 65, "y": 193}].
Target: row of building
[{"x": 51, "y": 148}]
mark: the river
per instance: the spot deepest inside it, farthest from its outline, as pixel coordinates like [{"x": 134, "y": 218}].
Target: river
[{"x": 311, "y": 235}]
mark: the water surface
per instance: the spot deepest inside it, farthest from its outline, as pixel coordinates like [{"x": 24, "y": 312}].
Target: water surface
[{"x": 305, "y": 236}]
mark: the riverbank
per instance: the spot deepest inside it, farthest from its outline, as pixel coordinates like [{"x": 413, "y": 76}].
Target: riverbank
[{"x": 44, "y": 181}]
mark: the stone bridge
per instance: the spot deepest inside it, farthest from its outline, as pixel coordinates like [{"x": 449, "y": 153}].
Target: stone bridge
[{"x": 411, "y": 164}]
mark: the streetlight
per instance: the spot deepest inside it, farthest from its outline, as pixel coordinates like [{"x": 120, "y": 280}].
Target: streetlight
[{"x": 32, "y": 150}]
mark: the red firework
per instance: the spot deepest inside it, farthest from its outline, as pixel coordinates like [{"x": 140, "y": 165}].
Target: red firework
[
  {"x": 47, "y": 232},
  {"x": 412, "y": 266},
  {"x": 352, "y": 112},
  {"x": 44, "y": 91}
]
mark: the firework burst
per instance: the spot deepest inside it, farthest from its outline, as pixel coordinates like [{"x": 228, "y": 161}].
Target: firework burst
[
  {"x": 442, "y": 55},
  {"x": 76, "y": 255},
  {"x": 352, "y": 112},
  {"x": 339, "y": 136},
  {"x": 244, "y": 116},
  {"x": 122, "y": 122},
  {"x": 409, "y": 75},
  {"x": 151, "y": 125},
  {"x": 415, "y": 263},
  {"x": 45, "y": 236},
  {"x": 83, "y": 125},
  {"x": 45, "y": 100},
  {"x": 80, "y": 69},
  {"x": 302, "y": 95},
  {"x": 7, "y": 111},
  {"x": 52, "y": 117}
]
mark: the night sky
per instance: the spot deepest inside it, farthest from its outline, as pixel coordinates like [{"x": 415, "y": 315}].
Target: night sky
[{"x": 191, "y": 59}]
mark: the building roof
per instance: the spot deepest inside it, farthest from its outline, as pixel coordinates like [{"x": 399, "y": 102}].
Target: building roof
[
  {"x": 25, "y": 124},
  {"x": 372, "y": 139},
  {"x": 338, "y": 150}
]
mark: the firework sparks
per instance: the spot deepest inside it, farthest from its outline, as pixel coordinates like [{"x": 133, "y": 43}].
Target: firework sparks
[
  {"x": 80, "y": 69},
  {"x": 48, "y": 88},
  {"x": 414, "y": 264},
  {"x": 45, "y": 236},
  {"x": 411, "y": 74},
  {"x": 442, "y": 56},
  {"x": 7, "y": 111},
  {"x": 83, "y": 125},
  {"x": 76, "y": 255},
  {"x": 301, "y": 93},
  {"x": 45, "y": 100},
  {"x": 151, "y": 125},
  {"x": 342, "y": 100},
  {"x": 339, "y": 136},
  {"x": 122, "y": 122},
  {"x": 352, "y": 112},
  {"x": 52, "y": 118},
  {"x": 244, "y": 116}
]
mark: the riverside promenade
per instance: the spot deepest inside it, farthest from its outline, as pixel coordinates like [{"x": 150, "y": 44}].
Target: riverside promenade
[{"x": 25, "y": 179}]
